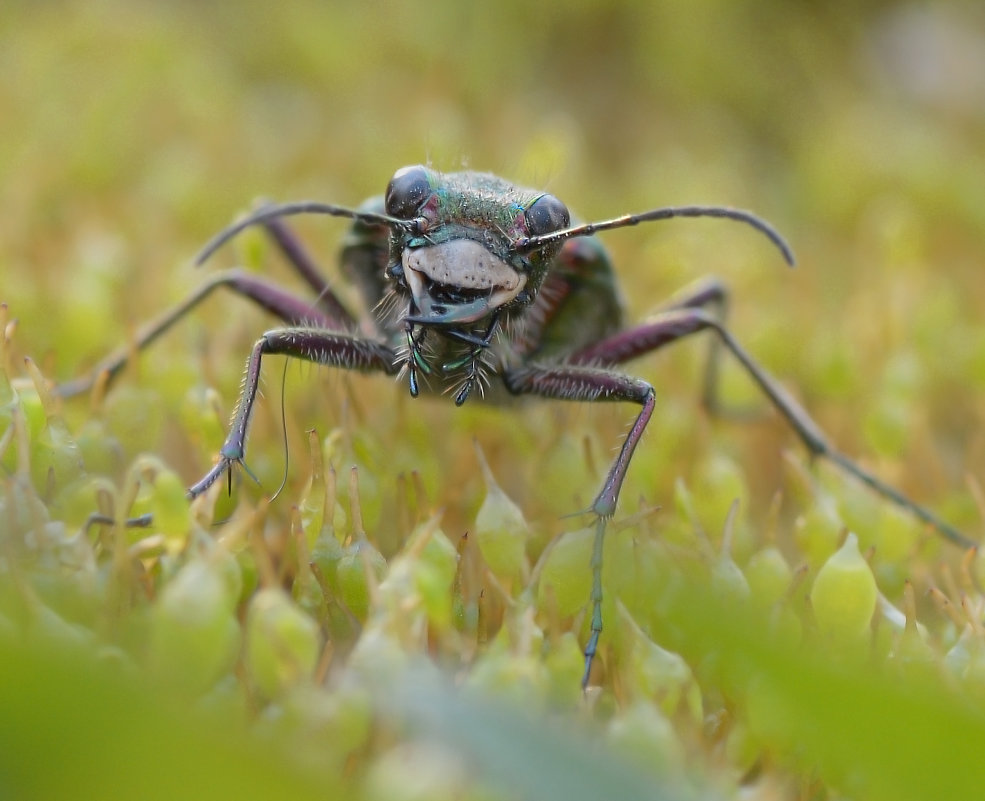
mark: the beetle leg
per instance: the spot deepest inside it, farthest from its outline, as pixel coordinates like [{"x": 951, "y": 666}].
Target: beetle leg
[
  {"x": 705, "y": 292},
  {"x": 297, "y": 256},
  {"x": 708, "y": 293},
  {"x": 473, "y": 358},
  {"x": 323, "y": 346},
  {"x": 283, "y": 305},
  {"x": 581, "y": 383},
  {"x": 675, "y": 324},
  {"x": 416, "y": 359}
]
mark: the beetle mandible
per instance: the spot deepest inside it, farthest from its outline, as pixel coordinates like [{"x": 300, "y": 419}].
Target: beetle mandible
[{"x": 471, "y": 278}]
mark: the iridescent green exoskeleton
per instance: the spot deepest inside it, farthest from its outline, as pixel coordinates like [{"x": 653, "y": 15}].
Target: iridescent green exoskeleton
[{"x": 486, "y": 289}]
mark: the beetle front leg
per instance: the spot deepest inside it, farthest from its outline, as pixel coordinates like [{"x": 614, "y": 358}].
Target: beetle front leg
[
  {"x": 573, "y": 382},
  {"x": 317, "y": 345}
]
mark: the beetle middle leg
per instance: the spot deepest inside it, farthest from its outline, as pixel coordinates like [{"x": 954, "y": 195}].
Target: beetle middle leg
[
  {"x": 675, "y": 324},
  {"x": 325, "y": 311}
]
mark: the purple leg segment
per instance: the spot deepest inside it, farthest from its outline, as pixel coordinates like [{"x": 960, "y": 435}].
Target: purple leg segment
[
  {"x": 706, "y": 293},
  {"x": 677, "y": 323},
  {"x": 283, "y": 305},
  {"x": 581, "y": 383},
  {"x": 322, "y": 346},
  {"x": 586, "y": 377},
  {"x": 713, "y": 295},
  {"x": 304, "y": 265}
]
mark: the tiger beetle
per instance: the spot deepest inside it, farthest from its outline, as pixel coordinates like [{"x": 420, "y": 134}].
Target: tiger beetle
[{"x": 471, "y": 278}]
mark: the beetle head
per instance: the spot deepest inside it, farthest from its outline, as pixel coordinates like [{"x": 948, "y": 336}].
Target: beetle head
[
  {"x": 466, "y": 246},
  {"x": 457, "y": 258}
]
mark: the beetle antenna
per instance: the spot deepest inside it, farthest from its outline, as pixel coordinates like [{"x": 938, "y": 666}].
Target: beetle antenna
[
  {"x": 587, "y": 229},
  {"x": 274, "y": 211}
]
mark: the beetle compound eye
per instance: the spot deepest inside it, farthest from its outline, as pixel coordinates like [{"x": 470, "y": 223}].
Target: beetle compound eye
[
  {"x": 406, "y": 191},
  {"x": 546, "y": 215}
]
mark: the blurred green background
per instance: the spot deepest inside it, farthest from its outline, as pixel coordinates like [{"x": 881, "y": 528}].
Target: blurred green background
[
  {"x": 133, "y": 131},
  {"x": 130, "y": 132}
]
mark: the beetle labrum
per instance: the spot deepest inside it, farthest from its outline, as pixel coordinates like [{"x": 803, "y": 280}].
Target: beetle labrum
[{"x": 471, "y": 278}]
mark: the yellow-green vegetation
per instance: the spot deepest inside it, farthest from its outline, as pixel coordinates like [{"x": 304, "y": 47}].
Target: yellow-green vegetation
[{"x": 405, "y": 619}]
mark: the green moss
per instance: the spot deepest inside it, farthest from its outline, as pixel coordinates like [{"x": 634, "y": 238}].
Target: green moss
[{"x": 133, "y": 131}]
